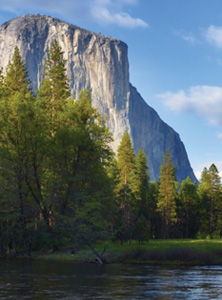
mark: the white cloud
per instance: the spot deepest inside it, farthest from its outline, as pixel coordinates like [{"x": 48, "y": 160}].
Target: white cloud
[
  {"x": 103, "y": 15},
  {"x": 109, "y": 12},
  {"x": 100, "y": 11},
  {"x": 187, "y": 36},
  {"x": 206, "y": 101},
  {"x": 213, "y": 35},
  {"x": 190, "y": 38}
]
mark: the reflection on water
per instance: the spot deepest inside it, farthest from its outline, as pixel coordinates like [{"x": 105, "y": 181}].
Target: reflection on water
[{"x": 24, "y": 279}]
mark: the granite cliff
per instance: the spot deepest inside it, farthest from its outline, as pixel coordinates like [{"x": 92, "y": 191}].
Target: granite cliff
[{"x": 100, "y": 64}]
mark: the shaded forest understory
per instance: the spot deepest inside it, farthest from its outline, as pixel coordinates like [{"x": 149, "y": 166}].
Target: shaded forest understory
[{"x": 62, "y": 187}]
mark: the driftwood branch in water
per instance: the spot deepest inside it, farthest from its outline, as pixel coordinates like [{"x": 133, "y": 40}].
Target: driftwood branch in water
[{"x": 98, "y": 256}]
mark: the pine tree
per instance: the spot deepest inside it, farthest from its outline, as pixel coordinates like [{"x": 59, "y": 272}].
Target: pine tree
[
  {"x": 16, "y": 97},
  {"x": 142, "y": 229},
  {"x": 211, "y": 201},
  {"x": 16, "y": 78},
  {"x": 215, "y": 198},
  {"x": 126, "y": 197},
  {"x": 141, "y": 184},
  {"x": 143, "y": 179},
  {"x": 189, "y": 201},
  {"x": 167, "y": 192},
  {"x": 125, "y": 159},
  {"x": 154, "y": 215},
  {"x": 55, "y": 86},
  {"x": 54, "y": 90}
]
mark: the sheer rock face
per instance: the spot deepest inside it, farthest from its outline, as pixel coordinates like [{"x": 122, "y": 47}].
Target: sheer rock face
[{"x": 100, "y": 64}]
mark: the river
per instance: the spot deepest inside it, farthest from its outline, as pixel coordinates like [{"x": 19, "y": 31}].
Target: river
[{"x": 47, "y": 280}]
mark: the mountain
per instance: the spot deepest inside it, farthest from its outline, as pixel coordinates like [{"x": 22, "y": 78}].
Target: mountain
[{"x": 100, "y": 64}]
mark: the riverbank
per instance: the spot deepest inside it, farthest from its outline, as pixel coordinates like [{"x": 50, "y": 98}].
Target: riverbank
[{"x": 161, "y": 252}]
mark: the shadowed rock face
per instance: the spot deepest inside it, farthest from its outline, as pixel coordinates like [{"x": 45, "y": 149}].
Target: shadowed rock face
[{"x": 100, "y": 64}]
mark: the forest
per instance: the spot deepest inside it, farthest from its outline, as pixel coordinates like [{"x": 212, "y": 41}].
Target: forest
[{"x": 61, "y": 185}]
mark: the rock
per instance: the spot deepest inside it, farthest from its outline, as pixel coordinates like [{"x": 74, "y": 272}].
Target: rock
[{"x": 100, "y": 64}]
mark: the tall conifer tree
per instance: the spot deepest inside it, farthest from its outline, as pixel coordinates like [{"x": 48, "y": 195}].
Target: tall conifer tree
[
  {"x": 16, "y": 78},
  {"x": 189, "y": 202},
  {"x": 211, "y": 202},
  {"x": 54, "y": 90},
  {"x": 15, "y": 100},
  {"x": 55, "y": 86},
  {"x": 167, "y": 193},
  {"x": 143, "y": 178},
  {"x": 142, "y": 226},
  {"x": 126, "y": 196}
]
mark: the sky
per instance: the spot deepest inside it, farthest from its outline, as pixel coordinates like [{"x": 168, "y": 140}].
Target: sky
[{"x": 175, "y": 58}]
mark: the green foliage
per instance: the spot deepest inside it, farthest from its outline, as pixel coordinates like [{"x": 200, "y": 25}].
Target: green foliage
[
  {"x": 54, "y": 90},
  {"x": 125, "y": 159},
  {"x": 154, "y": 216},
  {"x": 15, "y": 106},
  {"x": 142, "y": 229},
  {"x": 142, "y": 182},
  {"x": 55, "y": 87},
  {"x": 46, "y": 167},
  {"x": 188, "y": 209},
  {"x": 16, "y": 79},
  {"x": 132, "y": 192},
  {"x": 211, "y": 202},
  {"x": 60, "y": 185},
  {"x": 167, "y": 194},
  {"x": 126, "y": 193}
]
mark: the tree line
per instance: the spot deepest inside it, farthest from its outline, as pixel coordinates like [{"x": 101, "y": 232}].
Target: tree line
[{"x": 61, "y": 185}]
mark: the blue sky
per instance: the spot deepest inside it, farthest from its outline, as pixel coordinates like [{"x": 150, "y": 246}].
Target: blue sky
[{"x": 175, "y": 56}]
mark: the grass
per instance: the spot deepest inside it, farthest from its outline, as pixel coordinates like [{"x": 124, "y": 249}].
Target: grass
[{"x": 171, "y": 251}]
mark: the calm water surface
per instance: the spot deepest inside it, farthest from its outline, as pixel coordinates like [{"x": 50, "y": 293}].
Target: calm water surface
[{"x": 22, "y": 279}]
